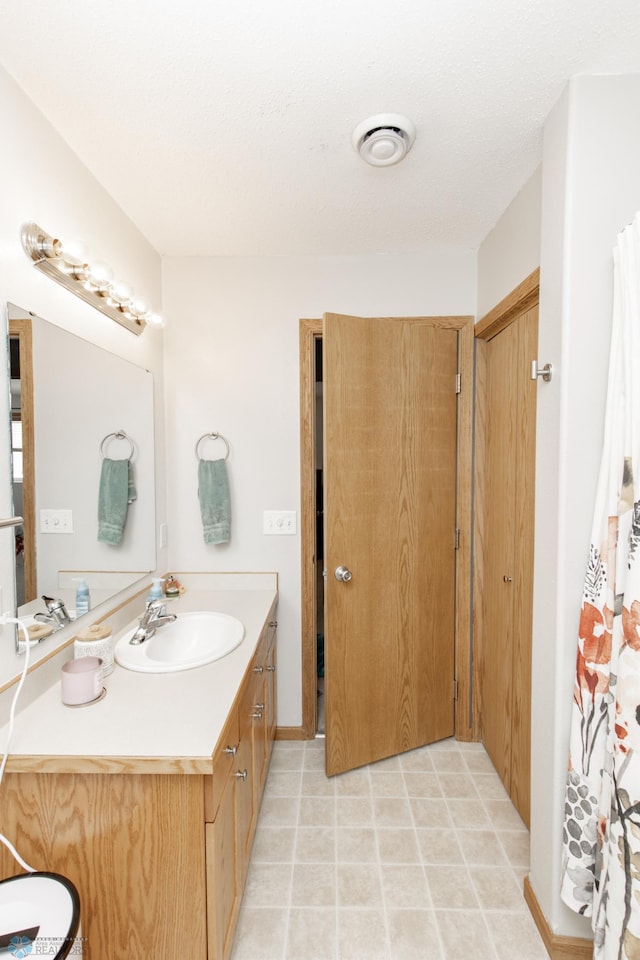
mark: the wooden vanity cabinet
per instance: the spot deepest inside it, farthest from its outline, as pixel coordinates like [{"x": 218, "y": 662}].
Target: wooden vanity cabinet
[
  {"x": 220, "y": 858},
  {"x": 229, "y": 837},
  {"x": 157, "y": 855},
  {"x": 262, "y": 710}
]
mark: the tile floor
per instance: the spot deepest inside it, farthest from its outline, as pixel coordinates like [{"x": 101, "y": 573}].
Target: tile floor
[{"x": 419, "y": 857}]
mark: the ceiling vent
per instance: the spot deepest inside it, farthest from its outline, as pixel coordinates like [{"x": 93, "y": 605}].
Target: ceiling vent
[{"x": 384, "y": 139}]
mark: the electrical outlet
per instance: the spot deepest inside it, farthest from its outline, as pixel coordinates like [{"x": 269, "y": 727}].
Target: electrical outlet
[
  {"x": 279, "y": 522},
  {"x": 56, "y": 521}
]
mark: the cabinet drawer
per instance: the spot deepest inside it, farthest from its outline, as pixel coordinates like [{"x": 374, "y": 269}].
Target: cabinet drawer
[{"x": 224, "y": 764}]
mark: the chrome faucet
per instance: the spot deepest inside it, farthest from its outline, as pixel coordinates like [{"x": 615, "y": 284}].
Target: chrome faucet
[
  {"x": 56, "y": 614},
  {"x": 154, "y": 616}
]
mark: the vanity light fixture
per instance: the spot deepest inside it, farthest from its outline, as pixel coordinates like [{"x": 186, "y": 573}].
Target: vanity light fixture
[{"x": 68, "y": 264}]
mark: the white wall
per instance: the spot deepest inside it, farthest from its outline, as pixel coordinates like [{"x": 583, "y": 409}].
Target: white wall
[
  {"x": 232, "y": 366},
  {"x": 591, "y": 190},
  {"x": 588, "y": 191},
  {"x": 42, "y": 180},
  {"x": 511, "y": 251}
]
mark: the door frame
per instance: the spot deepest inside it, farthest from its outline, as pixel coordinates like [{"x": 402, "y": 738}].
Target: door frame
[{"x": 466, "y": 716}]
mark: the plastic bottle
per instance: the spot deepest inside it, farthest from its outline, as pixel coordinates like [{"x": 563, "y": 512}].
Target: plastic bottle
[
  {"x": 83, "y": 599},
  {"x": 156, "y": 592}
]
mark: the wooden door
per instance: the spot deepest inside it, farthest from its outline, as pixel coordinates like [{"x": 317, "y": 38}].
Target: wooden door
[
  {"x": 390, "y": 450},
  {"x": 507, "y": 592}
]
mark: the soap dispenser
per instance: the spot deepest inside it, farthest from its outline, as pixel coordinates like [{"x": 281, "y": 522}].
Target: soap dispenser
[
  {"x": 83, "y": 600},
  {"x": 156, "y": 592}
]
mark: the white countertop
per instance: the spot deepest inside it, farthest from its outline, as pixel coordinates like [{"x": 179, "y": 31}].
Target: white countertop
[{"x": 164, "y": 721}]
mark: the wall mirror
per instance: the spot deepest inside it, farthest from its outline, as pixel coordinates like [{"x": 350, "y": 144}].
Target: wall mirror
[{"x": 69, "y": 400}]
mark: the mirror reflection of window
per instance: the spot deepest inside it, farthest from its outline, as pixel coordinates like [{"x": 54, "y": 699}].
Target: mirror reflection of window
[{"x": 16, "y": 449}]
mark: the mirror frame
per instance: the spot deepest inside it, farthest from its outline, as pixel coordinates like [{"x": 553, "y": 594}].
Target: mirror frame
[{"x": 22, "y": 331}]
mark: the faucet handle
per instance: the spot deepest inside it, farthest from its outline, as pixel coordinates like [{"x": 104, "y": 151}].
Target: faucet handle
[
  {"x": 156, "y": 606},
  {"x": 57, "y": 610}
]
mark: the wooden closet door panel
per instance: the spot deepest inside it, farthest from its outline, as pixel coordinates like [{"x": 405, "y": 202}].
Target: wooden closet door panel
[
  {"x": 523, "y": 565},
  {"x": 498, "y": 597}
]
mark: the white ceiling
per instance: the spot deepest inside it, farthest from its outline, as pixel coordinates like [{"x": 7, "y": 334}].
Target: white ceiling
[{"x": 224, "y": 128}]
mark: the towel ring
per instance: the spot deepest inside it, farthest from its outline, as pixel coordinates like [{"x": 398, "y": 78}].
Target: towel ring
[
  {"x": 212, "y": 436},
  {"x": 117, "y": 435}
]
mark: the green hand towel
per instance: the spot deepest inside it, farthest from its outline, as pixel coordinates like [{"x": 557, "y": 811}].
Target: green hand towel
[
  {"x": 132, "y": 493},
  {"x": 113, "y": 500},
  {"x": 215, "y": 501}
]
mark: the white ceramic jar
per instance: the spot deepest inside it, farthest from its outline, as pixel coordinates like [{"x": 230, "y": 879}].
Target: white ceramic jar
[{"x": 96, "y": 641}]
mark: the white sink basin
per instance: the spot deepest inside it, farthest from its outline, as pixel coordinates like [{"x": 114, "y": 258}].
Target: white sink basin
[{"x": 192, "y": 640}]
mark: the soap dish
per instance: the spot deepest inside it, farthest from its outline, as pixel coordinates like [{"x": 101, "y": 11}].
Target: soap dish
[{"x": 89, "y": 703}]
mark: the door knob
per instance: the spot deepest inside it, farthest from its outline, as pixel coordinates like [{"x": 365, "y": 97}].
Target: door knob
[{"x": 342, "y": 573}]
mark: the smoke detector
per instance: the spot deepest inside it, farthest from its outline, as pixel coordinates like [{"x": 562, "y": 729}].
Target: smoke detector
[{"x": 384, "y": 139}]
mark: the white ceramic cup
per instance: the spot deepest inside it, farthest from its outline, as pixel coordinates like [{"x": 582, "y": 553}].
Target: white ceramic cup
[{"x": 81, "y": 680}]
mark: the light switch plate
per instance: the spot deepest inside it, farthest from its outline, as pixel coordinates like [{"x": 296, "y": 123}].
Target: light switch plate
[
  {"x": 56, "y": 521},
  {"x": 279, "y": 522}
]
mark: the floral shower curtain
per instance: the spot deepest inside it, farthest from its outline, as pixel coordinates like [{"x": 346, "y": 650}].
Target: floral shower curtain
[{"x": 601, "y": 862}]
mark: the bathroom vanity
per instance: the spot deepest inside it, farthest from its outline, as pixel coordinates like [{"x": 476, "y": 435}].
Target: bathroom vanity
[{"x": 148, "y": 799}]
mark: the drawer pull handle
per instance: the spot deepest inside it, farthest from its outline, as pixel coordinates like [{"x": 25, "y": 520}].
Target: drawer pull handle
[
  {"x": 272, "y": 623},
  {"x": 258, "y": 669},
  {"x": 258, "y": 706},
  {"x": 271, "y": 668},
  {"x": 231, "y": 751},
  {"x": 241, "y": 774},
  {"x": 257, "y": 715}
]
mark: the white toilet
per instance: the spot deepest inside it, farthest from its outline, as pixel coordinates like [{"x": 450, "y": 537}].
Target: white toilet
[{"x": 39, "y": 914}]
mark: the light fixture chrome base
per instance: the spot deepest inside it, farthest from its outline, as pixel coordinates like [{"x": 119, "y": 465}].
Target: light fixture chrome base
[{"x": 45, "y": 252}]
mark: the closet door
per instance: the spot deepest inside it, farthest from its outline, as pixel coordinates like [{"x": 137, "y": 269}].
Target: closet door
[
  {"x": 498, "y": 595},
  {"x": 507, "y": 548}
]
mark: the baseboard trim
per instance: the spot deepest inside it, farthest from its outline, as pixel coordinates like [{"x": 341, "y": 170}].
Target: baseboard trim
[
  {"x": 558, "y": 948},
  {"x": 291, "y": 733}
]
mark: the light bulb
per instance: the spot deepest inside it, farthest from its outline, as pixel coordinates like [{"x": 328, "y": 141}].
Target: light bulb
[
  {"x": 154, "y": 320},
  {"x": 74, "y": 252},
  {"x": 100, "y": 275},
  {"x": 122, "y": 293},
  {"x": 139, "y": 307}
]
